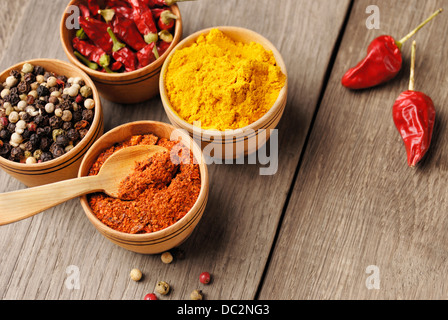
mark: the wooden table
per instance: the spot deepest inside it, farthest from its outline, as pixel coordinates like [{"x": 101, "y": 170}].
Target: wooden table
[{"x": 342, "y": 205}]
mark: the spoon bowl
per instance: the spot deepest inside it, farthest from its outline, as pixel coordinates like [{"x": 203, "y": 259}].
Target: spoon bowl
[{"x": 114, "y": 170}]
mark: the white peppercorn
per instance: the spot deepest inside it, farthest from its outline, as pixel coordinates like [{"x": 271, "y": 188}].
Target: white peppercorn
[
  {"x": 11, "y": 81},
  {"x": 73, "y": 90},
  {"x": 69, "y": 147},
  {"x": 34, "y": 85},
  {"x": 40, "y": 79},
  {"x": 16, "y": 139},
  {"x": 58, "y": 112},
  {"x": 89, "y": 104},
  {"x": 30, "y": 160},
  {"x": 70, "y": 80},
  {"x": 49, "y": 107},
  {"x": 162, "y": 288},
  {"x": 21, "y": 105},
  {"x": 33, "y": 93},
  {"x": 136, "y": 274},
  {"x": 56, "y": 94},
  {"x": 167, "y": 257},
  {"x": 5, "y": 92},
  {"x": 52, "y": 81},
  {"x": 196, "y": 295},
  {"x": 13, "y": 117},
  {"x": 23, "y": 97},
  {"x": 66, "y": 115},
  {"x": 20, "y": 126},
  {"x": 77, "y": 80},
  {"x": 9, "y": 109},
  {"x": 27, "y": 68}
]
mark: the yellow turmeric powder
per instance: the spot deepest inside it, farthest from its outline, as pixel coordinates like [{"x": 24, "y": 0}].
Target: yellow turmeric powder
[{"x": 222, "y": 83}]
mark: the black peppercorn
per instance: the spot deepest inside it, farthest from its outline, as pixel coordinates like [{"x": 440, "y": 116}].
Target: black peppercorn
[
  {"x": 46, "y": 156},
  {"x": 35, "y": 140},
  {"x": 11, "y": 127},
  {"x": 16, "y": 153},
  {"x": 43, "y": 91},
  {"x": 67, "y": 125},
  {"x": 26, "y": 134},
  {"x": 72, "y": 134},
  {"x": 23, "y": 87},
  {"x": 28, "y": 146},
  {"x": 45, "y": 143},
  {"x": 87, "y": 115},
  {"x": 77, "y": 116},
  {"x": 38, "y": 70},
  {"x": 55, "y": 122},
  {"x": 16, "y": 74},
  {"x": 29, "y": 78},
  {"x": 62, "y": 140},
  {"x": 13, "y": 98},
  {"x": 5, "y": 134},
  {"x": 83, "y": 133},
  {"x": 5, "y": 149},
  {"x": 56, "y": 150}
]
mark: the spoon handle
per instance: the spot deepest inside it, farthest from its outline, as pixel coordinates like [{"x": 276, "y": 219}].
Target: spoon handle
[{"x": 18, "y": 205}]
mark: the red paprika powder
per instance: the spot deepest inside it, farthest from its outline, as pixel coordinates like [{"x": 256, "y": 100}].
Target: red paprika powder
[{"x": 157, "y": 194}]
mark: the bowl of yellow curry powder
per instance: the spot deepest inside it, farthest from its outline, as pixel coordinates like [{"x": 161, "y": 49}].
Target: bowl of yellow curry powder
[{"x": 226, "y": 86}]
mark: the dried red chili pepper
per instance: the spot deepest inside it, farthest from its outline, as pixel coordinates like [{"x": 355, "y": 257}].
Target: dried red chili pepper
[
  {"x": 147, "y": 55},
  {"x": 127, "y": 31},
  {"x": 127, "y": 57},
  {"x": 94, "y": 7},
  {"x": 162, "y": 46},
  {"x": 92, "y": 52},
  {"x": 144, "y": 21},
  {"x": 382, "y": 63},
  {"x": 96, "y": 30},
  {"x": 414, "y": 116},
  {"x": 126, "y": 12},
  {"x": 85, "y": 12},
  {"x": 167, "y": 20},
  {"x": 116, "y": 3},
  {"x": 116, "y": 66}
]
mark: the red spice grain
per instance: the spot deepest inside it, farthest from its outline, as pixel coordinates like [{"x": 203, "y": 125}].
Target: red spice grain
[{"x": 163, "y": 189}]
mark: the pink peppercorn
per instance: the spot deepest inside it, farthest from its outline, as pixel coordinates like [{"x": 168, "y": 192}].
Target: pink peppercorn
[
  {"x": 150, "y": 296},
  {"x": 4, "y": 121},
  {"x": 204, "y": 278}
]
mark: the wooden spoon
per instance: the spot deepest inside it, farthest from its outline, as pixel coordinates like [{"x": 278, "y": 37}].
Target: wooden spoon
[{"x": 18, "y": 205}]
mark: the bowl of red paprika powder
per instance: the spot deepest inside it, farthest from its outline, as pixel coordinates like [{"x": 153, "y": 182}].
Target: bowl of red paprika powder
[
  {"x": 126, "y": 69},
  {"x": 165, "y": 213}
]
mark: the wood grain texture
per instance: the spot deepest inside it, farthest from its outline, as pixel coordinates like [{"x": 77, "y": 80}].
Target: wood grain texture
[
  {"x": 234, "y": 238},
  {"x": 356, "y": 203}
]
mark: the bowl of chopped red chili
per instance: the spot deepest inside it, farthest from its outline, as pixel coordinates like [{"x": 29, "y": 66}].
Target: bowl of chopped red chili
[
  {"x": 170, "y": 189},
  {"x": 50, "y": 114},
  {"x": 121, "y": 44}
]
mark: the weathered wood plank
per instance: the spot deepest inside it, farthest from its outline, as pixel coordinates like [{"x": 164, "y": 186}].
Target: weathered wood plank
[
  {"x": 356, "y": 203},
  {"x": 234, "y": 238}
]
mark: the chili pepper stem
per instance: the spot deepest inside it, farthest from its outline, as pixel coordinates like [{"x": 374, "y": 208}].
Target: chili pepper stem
[
  {"x": 156, "y": 52},
  {"x": 91, "y": 65},
  {"x": 412, "y": 78},
  {"x": 117, "y": 44},
  {"x": 107, "y": 14},
  {"x": 413, "y": 32},
  {"x": 151, "y": 37}
]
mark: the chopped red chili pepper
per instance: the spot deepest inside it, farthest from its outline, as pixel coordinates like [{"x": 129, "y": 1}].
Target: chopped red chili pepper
[
  {"x": 382, "y": 63},
  {"x": 165, "y": 191},
  {"x": 414, "y": 116}
]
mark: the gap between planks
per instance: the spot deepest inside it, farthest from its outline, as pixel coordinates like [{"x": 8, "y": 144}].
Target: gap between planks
[{"x": 305, "y": 145}]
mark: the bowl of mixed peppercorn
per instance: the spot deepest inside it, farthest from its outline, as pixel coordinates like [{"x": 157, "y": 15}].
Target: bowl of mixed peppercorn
[
  {"x": 162, "y": 201},
  {"x": 50, "y": 114},
  {"x": 121, "y": 44}
]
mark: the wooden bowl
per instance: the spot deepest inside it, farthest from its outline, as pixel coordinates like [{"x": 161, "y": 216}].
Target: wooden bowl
[
  {"x": 230, "y": 144},
  {"x": 159, "y": 241},
  {"x": 66, "y": 166},
  {"x": 130, "y": 87}
]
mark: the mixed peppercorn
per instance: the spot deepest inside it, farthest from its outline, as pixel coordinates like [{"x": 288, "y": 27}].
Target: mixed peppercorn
[
  {"x": 42, "y": 115},
  {"x": 125, "y": 35}
]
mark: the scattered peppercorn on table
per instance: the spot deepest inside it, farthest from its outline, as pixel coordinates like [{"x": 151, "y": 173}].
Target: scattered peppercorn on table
[{"x": 344, "y": 217}]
